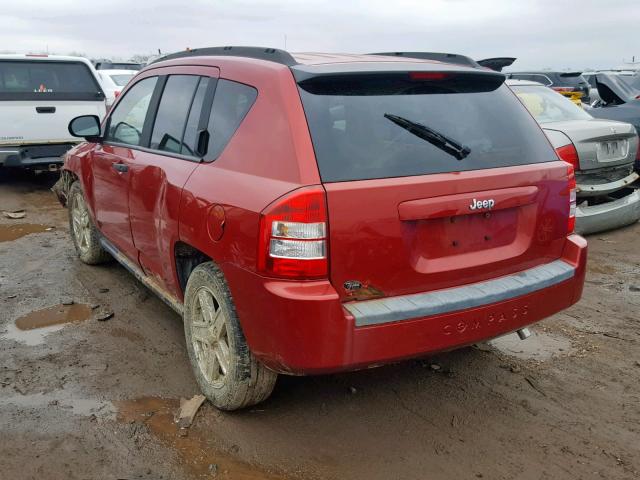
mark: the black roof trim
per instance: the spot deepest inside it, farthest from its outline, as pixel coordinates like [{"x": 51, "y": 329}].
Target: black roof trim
[
  {"x": 439, "y": 57},
  {"x": 261, "y": 53}
]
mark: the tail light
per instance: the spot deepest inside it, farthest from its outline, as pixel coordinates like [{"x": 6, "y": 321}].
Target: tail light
[
  {"x": 429, "y": 75},
  {"x": 569, "y": 154},
  {"x": 571, "y": 185},
  {"x": 293, "y": 236},
  {"x": 563, "y": 89},
  {"x": 116, "y": 94}
]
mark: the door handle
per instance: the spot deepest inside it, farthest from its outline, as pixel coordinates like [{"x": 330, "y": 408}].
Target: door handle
[
  {"x": 46, "y": 109},
  {"x": 120, "y": 167}
]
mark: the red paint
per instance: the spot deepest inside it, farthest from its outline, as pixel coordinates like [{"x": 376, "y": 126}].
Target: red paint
[
  {"x": 396, "y": 235},
  {"x": 459, "y": 204}
]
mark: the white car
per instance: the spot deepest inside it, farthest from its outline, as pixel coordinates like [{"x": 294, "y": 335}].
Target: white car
[
  {"x": 113, "y": 81},
  {"x": 39, "y": 96}
]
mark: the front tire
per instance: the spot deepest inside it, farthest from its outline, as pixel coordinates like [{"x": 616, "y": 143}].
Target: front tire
[
  {"x": 84, "y": 233},
  {"x": 225, "y": 369}
]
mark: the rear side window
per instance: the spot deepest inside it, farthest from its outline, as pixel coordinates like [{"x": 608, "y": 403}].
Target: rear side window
[
  {"x": 168, "y": 129},
  {"x": 231, "y": 103},
  {"x": 127, "y": 120},
  {"x": 355, "y": 138},
  {"x": 193, "y": 121},
  {"x": 47, "y": 80}
]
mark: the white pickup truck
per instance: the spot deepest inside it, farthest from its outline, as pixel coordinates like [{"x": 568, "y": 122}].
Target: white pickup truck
[{"x": 39, "y": 95}]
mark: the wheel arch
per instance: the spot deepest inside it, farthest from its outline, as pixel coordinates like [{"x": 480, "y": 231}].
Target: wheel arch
[{"x": 186, "y": 259}]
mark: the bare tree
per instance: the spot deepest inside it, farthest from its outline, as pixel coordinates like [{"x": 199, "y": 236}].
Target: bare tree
[{"x": 140, "y": 57}]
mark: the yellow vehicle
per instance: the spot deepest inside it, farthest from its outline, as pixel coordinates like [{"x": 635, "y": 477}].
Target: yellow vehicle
[{"x": 575, "y": 97}]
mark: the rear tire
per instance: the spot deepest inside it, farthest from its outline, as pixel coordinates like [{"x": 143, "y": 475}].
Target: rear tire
[
  {"x": 225, "y": 369},
  {"x": 84, "y": 233}
]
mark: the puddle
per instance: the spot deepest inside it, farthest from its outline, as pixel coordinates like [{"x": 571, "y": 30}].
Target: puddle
[
  {"x": 63, "y": 400},
  {"x": 11, "y": 232},
  {"x": 30, "y": 338},
  {"x": 55, "y": 315},
  {"x": 539, "y": 346},
  {"x": 32, "y": 328},
  {"x": 195, "y": 450}
]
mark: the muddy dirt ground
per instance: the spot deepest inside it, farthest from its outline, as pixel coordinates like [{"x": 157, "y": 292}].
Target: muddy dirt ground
[{"x": 82, "y": 398}]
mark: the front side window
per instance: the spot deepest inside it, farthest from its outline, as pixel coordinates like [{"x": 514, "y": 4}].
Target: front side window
[
  {"x": 231, "y": 104},
  {"x": 168, "y": 129},
  {"x": 127, "y": 120},
  {"x": 548, "y": 106}
]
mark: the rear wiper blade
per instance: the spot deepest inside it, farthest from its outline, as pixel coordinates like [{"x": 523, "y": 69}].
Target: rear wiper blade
[{"x": 432, "y": 136}]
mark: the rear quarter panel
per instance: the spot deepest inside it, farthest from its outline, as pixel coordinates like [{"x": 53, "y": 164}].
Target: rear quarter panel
[{"x": 269, "y": 155}]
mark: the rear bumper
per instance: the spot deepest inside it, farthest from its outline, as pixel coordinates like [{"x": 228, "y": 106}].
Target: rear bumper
[
  {"x": 606, "y": 216},
  {"x": 33, "y": 156},
  {"x": 585, "y": 190},
  {"x": 303, "y": 328}
]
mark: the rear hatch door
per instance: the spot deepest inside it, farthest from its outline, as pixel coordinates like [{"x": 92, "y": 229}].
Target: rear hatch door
[
  {"x": 38, "y": 98},
  {"x": 405, "y": 214}
]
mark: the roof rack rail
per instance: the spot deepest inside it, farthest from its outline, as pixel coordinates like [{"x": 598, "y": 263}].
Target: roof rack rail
[
  {"x": 260, "y": 53},
  {"x": 440, "y": 57}
]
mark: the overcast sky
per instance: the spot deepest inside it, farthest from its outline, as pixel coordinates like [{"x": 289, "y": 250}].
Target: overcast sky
[{"x": 540, "y": 33}]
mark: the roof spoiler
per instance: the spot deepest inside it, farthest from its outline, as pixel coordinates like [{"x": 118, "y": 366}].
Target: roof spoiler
[
  {"x": 454, "y": 58},
  {"x": 497, "y": 63}
]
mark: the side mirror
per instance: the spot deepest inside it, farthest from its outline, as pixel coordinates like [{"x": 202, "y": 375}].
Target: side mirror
[{"x": 85, "y": 126}]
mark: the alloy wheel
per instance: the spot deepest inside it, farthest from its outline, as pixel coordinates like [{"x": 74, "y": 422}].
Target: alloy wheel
[
  {"x": 81, "y": 224},
  {"x": 209, "y": 337}
]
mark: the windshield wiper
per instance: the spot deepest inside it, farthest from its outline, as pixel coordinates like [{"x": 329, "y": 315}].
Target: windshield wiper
[{"x": 435, "y": 138}]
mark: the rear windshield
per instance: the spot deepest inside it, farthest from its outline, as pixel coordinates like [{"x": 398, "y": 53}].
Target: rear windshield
[
  {"x": 47, "y": 80},
  {"x": 118, "y": 66},
  {"x": 121, "y": 79},
  {"x": 570, "y": 80},
  {"x": 354, "y": 140},
  {"x": 548, "y": 106}
]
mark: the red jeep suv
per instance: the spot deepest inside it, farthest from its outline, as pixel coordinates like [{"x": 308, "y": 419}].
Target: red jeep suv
[{"x": 314, "y": 213}]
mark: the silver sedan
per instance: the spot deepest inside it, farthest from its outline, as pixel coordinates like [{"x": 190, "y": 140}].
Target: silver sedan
[{"x": 602, "y": 152}]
